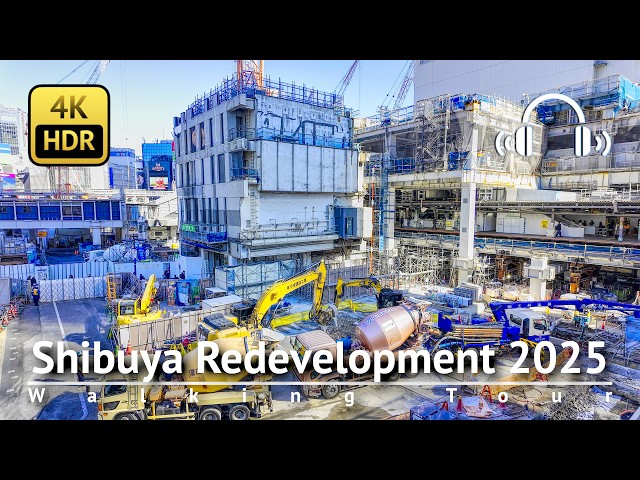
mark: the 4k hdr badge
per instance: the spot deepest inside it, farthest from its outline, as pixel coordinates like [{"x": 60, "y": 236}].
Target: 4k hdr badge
[{"x": 69, "y": 125}]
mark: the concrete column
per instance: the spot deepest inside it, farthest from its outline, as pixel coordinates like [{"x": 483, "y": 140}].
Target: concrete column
[
  {"x": 467, "y": 232},
  {"x": 306, "y": 258},
  {"x": 538, "y": 286},
  {"x": 391, "y": 142},
  {"x": 95, "y": 233},
  {"x": 468, "y": 218}
]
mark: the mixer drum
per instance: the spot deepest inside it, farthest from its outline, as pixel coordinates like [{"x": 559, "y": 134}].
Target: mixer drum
[{"x": 387, "y": 328}]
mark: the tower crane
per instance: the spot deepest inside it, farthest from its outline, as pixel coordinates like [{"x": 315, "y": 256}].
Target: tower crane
[
  {"x": 250, "y": 72},
  {"x": 59, "y": 176},
  {"x": 344, "y": 83},
  {"x": 404, "y": 88}
]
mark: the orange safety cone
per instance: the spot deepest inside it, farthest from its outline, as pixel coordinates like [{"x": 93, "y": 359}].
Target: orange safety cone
[
  {"x": 128, "y": 349},
  {"x": 603, "y": 325},
  {"x": 459, "y": 408}
]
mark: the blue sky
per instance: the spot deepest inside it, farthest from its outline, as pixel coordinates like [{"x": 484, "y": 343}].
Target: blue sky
[{"x": 146, "y": 94}]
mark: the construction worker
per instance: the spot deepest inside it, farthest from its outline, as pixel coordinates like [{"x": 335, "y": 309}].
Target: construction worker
[
  {"x": 182, "y": 275},
  {"x": 558, "y": 229},
  {"x": 35, "y": 294}
]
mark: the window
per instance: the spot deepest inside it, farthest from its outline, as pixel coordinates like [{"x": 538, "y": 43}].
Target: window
[
  {"x": 221, "y": 170},
  {"x": 221, "y": 128},
  {"x": 223, "y": 212},
  {"x": 202, "y": 171},
  {"x": 216, "y": 217},
  {"x": 188, "y": 178},
  {"x": 194, "y": 139},
  {"x": 213, "y": 169},
  {"x": 194, "y": 203},
  {"x": 211, "y": 133},
  {"x": 178, "y": 144},
  {"x": 210, "y": 212},
  {"x": 236, "y": 164},
  {"x": 203, "y": 201},
  {"x": 112, "y": 390},
  {"x": 202, "y": 136}
]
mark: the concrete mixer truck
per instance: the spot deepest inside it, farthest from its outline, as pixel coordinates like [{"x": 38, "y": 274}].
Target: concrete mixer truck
[
  {"x": 397, "y": 329},
  {"x": 183, "y": 397}
]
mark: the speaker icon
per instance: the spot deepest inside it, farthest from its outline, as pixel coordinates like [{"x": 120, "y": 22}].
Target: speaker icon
[{"x": 523, "y": 142}]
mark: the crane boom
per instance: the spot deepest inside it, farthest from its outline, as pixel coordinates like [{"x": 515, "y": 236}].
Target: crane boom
[
  {"x": 346, "y": 80},
  {"x": 404, "y": 88},
  {"x": 59, "y": 176},
  {"x": 97, "y": 72},
  {"x": 149, "y": 294}
]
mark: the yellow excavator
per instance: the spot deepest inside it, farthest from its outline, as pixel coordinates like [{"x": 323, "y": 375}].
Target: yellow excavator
[
  {"x": 246, "y": 318},
  {"x": 139, "y": 309},
  {"x": 385, "y": 297}
]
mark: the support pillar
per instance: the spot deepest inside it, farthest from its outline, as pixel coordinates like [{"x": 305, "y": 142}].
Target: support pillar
[
  {"x": 467, "y": 232},
  {"x": 538, "y": 272},
  {"x": 95, "y": 233}
]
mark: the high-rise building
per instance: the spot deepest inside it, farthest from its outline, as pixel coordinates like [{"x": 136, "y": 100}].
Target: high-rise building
[
  {"x": 14, "y": 159},
  {"x": 158, "y": 165},
  {"x": 268, "y": 171},
  {"x": 122, "y": 168}
]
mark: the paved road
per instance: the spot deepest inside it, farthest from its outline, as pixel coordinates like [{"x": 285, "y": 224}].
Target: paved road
[{"x": 69, "y": 321}]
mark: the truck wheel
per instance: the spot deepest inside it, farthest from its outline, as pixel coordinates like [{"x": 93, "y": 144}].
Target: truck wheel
[
  {"x": 239, "y": 412},
  {"x": 330, "y": 391},
  {"x": 210, "y": 413},
  {"x": 126, "y": 416}
]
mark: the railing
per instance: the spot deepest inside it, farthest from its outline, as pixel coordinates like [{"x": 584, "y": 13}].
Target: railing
[
  {"x": 289, "y": 229},
  {"x": 231, "y": 88},
  {"x": 245, "y": 173},
  {"x": 550, "y": 248},
  {"x": 242, "y": 132},
  {"x": 617, "y": 160},
  {"x": 45, "y": 194},
  {"x": 204, "y": 232}
]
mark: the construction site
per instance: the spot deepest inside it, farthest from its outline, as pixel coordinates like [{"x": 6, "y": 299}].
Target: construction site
[{"x": 469, "y": 221}]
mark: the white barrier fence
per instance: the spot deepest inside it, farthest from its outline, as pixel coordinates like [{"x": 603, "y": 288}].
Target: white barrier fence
[{"x": 72, "y": 289}]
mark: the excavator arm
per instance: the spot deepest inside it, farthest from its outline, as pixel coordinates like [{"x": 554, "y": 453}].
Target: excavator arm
[
  {"x": 370, "y": 282},
  {"x": 276, "y": 292}
]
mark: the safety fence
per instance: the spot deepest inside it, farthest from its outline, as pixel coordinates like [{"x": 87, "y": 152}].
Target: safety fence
[
  {"x": 157, "y": 334},
  {"x": 18, "y": 299}
]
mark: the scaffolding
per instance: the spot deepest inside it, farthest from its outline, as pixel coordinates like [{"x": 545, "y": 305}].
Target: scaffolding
[
  {"x": 423, "y": 265},
  {"x": 433, "y": 117}
]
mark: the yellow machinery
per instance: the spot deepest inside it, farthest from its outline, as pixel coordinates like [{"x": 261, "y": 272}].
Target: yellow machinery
[
  {"x": 139, "y": 309},
  {"x": 274, "y": 295},
  {"x": 385, "y": 297},
  {"x": 129, "y": 398},
  {"x": 219, "y": 326}
]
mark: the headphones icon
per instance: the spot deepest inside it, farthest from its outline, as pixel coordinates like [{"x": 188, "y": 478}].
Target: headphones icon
[{"x": 524, "y": 135}]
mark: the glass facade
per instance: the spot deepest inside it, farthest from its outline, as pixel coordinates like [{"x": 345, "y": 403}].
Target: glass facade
[{"x": 159, "y": 165}]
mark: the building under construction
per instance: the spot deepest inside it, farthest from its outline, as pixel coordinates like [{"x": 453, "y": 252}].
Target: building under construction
[{"x": 473, "y": 188}]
